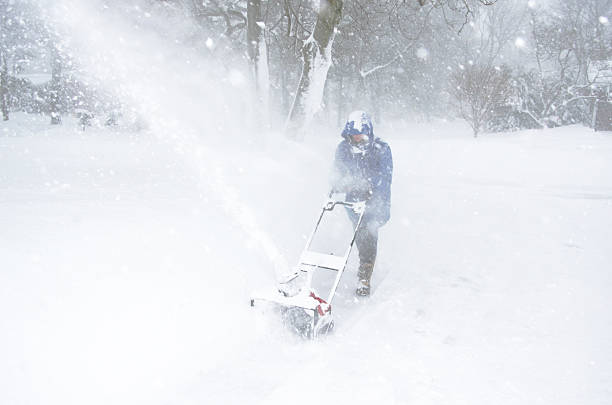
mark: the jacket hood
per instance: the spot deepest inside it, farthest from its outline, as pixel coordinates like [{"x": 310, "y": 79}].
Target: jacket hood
[{"x": 359, "y": 122}]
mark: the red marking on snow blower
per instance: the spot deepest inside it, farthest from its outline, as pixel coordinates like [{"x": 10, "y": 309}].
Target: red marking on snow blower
[{"x": 321, "y": 301}]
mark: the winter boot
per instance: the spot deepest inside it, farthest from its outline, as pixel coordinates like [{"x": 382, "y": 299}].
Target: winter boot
[
  {"x": 364, "y": 275},
  {"x": 363, "y": 288}
]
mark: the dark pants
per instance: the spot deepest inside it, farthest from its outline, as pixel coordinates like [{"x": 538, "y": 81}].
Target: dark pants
[{"x": 366, "y": 240}]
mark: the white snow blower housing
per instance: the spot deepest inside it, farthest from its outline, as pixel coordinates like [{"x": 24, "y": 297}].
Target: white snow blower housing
[{"x": 300, "y": 307}]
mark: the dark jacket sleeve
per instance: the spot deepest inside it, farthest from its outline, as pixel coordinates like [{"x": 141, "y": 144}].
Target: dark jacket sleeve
[
  {"x": 384, "y": 175},
  {"x": 379, "y": 206}
]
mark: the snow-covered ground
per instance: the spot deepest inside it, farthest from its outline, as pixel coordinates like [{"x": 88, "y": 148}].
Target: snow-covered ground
[{"x": 127, "y": 261}]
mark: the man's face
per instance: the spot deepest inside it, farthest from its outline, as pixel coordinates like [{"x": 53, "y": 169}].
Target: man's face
[{"x": 359, "y": 138}]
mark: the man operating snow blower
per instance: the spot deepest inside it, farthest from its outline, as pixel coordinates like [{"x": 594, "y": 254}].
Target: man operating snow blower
[{"x": 363, "y": 169}]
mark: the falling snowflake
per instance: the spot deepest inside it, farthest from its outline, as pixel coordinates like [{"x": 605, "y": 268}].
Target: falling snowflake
[{"x": 422, "y": 53}]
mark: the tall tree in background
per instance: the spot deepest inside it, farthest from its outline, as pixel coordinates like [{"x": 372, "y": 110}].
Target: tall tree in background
[
  {"x": 21, "y": 35},
  {"x": 5, "y": 14},
  {"x": 482, "y": 83},
  {"x": 389, "y": 56},
  {"x": 578, "y": 22},
  {"x": 55, "y": 86},
  {"x": 571, "y": 44},
  {"x": 4, "y": 86},
  {"x": 479, "y": 89},
  {"x": 316, "y": 52},
  {"x": 258, "y": 58}
]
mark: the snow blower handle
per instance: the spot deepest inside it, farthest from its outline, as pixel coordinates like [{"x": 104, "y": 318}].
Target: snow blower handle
[{"x": 356, "y": 206}]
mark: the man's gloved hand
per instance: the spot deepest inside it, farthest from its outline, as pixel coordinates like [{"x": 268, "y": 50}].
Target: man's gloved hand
[{"x": 364, "y": 195}]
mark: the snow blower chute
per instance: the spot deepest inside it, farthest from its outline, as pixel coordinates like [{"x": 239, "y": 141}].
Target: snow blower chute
[{"x": 300, "y": 307}]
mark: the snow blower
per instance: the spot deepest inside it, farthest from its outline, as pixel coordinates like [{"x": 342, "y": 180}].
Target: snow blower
[{"x": 300, "y": 307}]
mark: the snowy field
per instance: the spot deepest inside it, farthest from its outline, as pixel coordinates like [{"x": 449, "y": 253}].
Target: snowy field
[{"x": 127, "y": 261}]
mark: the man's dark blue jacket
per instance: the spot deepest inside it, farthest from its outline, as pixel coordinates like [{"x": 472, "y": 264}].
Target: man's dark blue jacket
[{"x": 365, "y": 175}]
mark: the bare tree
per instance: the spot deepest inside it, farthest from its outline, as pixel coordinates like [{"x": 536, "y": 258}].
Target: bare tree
[
  {"x": 4, "y": 86},
  {"x": 375, "y": 50},
  {"x": 316, "y": 53},
  {"x": 390, "y": 56},
  {"x": 451, "y": 9},
  {"x": 258, "y": 57},
  {"x": 570, "y": 47},
  {"x": 5, "y": 36},
  {"x": 478, "y": 90},
  {"x": 55, "y": 87},
  {"x": 230, "y": 13},
  {"x": 583, "y": 34}
]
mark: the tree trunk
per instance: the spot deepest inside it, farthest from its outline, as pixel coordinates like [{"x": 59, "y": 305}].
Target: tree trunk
[
  {"x": 284, "y": 93},
  {"x": 317, "y": 60},
  {"x": 55, "y": 88},
  {"x": 340, "y": 101},
  {"x": 4, "y": 87},
  {"x": 258, "y": 57}
]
